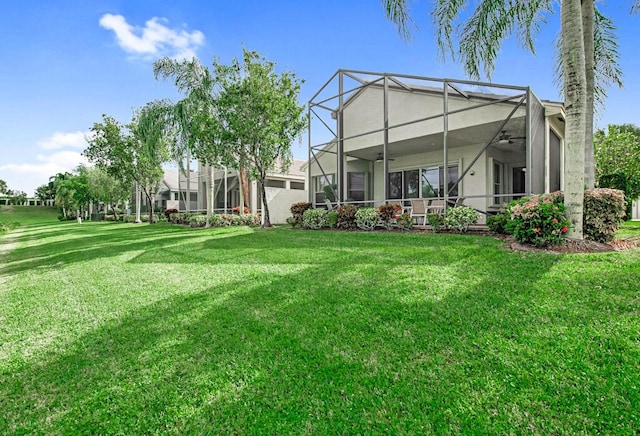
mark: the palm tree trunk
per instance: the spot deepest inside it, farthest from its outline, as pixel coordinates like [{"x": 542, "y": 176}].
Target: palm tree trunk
[
  {"x": 588, "y": 11},
  {"x": 573, "y": 60}
]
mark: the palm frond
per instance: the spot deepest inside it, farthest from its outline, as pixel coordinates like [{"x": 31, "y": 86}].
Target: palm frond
[{"x": 399, "y": 12}]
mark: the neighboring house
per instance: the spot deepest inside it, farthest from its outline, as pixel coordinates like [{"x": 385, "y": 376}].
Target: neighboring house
[
  {"x": 282, "y": 189},
  {"x": 30, "y": 201},
  {"x": 635, "y": 210},
  {"x": 174, "y": 190},
  {"x": 379, "y": 137}
]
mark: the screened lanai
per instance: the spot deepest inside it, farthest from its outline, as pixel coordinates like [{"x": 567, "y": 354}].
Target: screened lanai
[{"x": 380, "y": 137}]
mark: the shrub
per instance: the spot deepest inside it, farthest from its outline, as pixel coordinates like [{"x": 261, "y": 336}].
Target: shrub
[
  {"x": 167, "y": 212},
  {"x": 129, "y": 219},
  {"x": 144, "y": 218},
  {"x": 332, "y": 219},
  {"x": 539, "y": 221},
  {"x": 215, "y": 220},
  {"x": 367, "y": 218},
  {"x": 460, "y": 218},
  {"x": 497, "y": 223},
  {"x": 6, "y": 227},
  {"x": 314, "y": 219},
  {"x": 292, "y": 222},
  {"x": 404, "y": 221},
  {"x": 436, "y": 221},
  {"x": 161, "y": 218},
  {"x": 603, "y": 210},
  {"x": 347, "y": 217},
  {"x": 230, "y": 219},
  {"x": 387, "y": 214},
  {"x": 298, "y": 209},
  {"x": 198, "y": 221},
  {"x": 249, "y": 219}
]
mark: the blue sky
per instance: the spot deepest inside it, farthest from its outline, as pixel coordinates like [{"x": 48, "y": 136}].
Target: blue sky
[{"x": 65, "y": 63}]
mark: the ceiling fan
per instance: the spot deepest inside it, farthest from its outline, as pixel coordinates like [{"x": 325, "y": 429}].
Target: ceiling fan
[
  {"x": 506, "y": 139},
  {"x": 380, "y": 158}
]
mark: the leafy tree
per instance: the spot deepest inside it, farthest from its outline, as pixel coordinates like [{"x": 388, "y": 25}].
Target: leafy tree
[
  {"x": 104, "y": 188},
  {"x": 60, "y": 196},
  {"x": 133, "y": 153},
  {"x": 480, "y": 38},
  {"x": 617, "y": 156},
  {"x": 17, "y": 197},
  {"x": 45, "y": 192},
  {"x": 3, "y": 187},
  {"x": 260, "y": 117},
  {"x": 72, "y": 192}
]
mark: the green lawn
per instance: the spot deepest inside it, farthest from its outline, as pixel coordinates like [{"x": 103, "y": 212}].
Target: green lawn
[{"x": 122, "y": 328}]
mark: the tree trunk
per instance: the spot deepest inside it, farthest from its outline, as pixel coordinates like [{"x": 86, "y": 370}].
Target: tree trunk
[
  {"x": 244, "y": 185},
  {"x": 209, "y": 193},
  {"x": 588, "y": 11},
  {"x": 138, "y": 202},
  {"x": 266, "y": 220},
  {"x": 573, "y": 60},
  {"x": 78, "y": 216}
]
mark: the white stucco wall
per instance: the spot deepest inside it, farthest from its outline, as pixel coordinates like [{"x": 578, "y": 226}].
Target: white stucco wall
[{"x": 280, "y": 201}]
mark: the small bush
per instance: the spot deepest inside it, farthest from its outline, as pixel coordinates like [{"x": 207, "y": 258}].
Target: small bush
[
  {"x": 367, "y": 218},
  {"x": 387, "y": 214},
  {"x": 314, "y": 219},
  {"x": 144, "y": 218},
  {"x": 129, "y": 218},
  {"x": 298, "y": 209},
  {"x": 436, "y": 221},
  {"x": 230, "y": 219},
  {"x": 332, "y": 219},
  {"x": 497, "y": 223},
  {"x": 198, "y": 221},
  {"x": 539, "y": 221},
  {"x": 404, "y": 221},
  {"x": 236, "y": 210},
  {"x": 292, "y": 222},
  {"x": 249, "y": 219},
  {"x": 347, "y": 217},
  {"x": 6, "y": 227},
  {"x": 460, "y": 218},
  {"x": 603, "y": 210},
  {"x": 215, "y": 220}
]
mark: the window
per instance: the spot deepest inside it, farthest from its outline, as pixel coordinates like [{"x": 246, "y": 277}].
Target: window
[
  {"x": 319, "y": 185},
  {"x": 175, "y": 196},
  {"x": 275, "y": 183},
  {"x": 355, "y": 186},
  {"x": 297, "y": 185},
  {"x": 498, "y": 169},
  {"x": 395, "y": 184},
  {"x": 410, "y": 183}
]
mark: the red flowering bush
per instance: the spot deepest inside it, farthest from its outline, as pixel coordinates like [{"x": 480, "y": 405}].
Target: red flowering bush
[
  {"x": 540, "y": 220},
  {"x": 347, "y": 217},
  {"x": 236, "y": 210},
  {"x": 297, "y": 210},
  {"x": 388, "y": 212}
]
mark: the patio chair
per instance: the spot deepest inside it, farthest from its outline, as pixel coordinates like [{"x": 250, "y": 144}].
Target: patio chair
[
  {"x": 435, "y": 207},
  {"x": 418, "y": 213}
]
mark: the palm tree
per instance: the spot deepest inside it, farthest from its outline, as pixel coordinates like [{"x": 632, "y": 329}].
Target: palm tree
[
  {"x": 493, "y": 21},
  {"x": 191, "y": 114}
]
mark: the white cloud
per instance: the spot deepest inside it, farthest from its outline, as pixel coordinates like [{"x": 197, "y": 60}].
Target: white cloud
[
  {"x": 63, "y": 140},
  {"x": 28, "y": 176},
  {"x": 154, "y": 39}
]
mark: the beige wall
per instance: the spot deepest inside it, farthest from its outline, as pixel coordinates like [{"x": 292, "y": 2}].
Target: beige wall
[{"x": 280, "y": 201}]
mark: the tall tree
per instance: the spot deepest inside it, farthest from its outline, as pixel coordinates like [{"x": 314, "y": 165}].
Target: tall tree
[
  {"x": 153, "y": 132},
  {"x": 480, "y": 38},
  {"x": 3, "y": 187},
  {"x": 105, "y": 189},
  {"x": 260, "y": 117},
  {"x": 193, "y": 117}
]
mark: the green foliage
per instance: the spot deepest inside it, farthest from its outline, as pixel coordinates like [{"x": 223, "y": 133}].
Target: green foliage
[
  {"x": 314, "y": 219},
  {"x": 292, "y": 222},
  {"x": 258, "y": 116},
  {"x": 367, "y": 218},
  {"x": 3, "y": 187},
  {"x": 298, "y": 209},
  {"x": 387, "y": 213},
  {"x": 169, "y": 212},
  {"x": 460, "y": 218},
  {"x": 617, "y": 156},
  {"x": 604, "y": 209},
  {"x": 330, "y": 192},
  {"x": 6, "y": 227},
  {"x": 404, "y": 221},
  {"x": 347, "y": 217},
  {"x": 539, "y": 221},
  {"x": 436, "y": 221},
  {"x": 198, "y": 221},
  {"x": 497, "y": 223},
  {"x": 332, "y": 219}
]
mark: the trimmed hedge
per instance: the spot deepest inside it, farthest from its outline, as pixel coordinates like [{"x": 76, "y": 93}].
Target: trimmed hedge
[
  {"x": 367, "y": 218},
  {"x": 314, "y": 219},
  {"x": 604, "y": 209}
]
